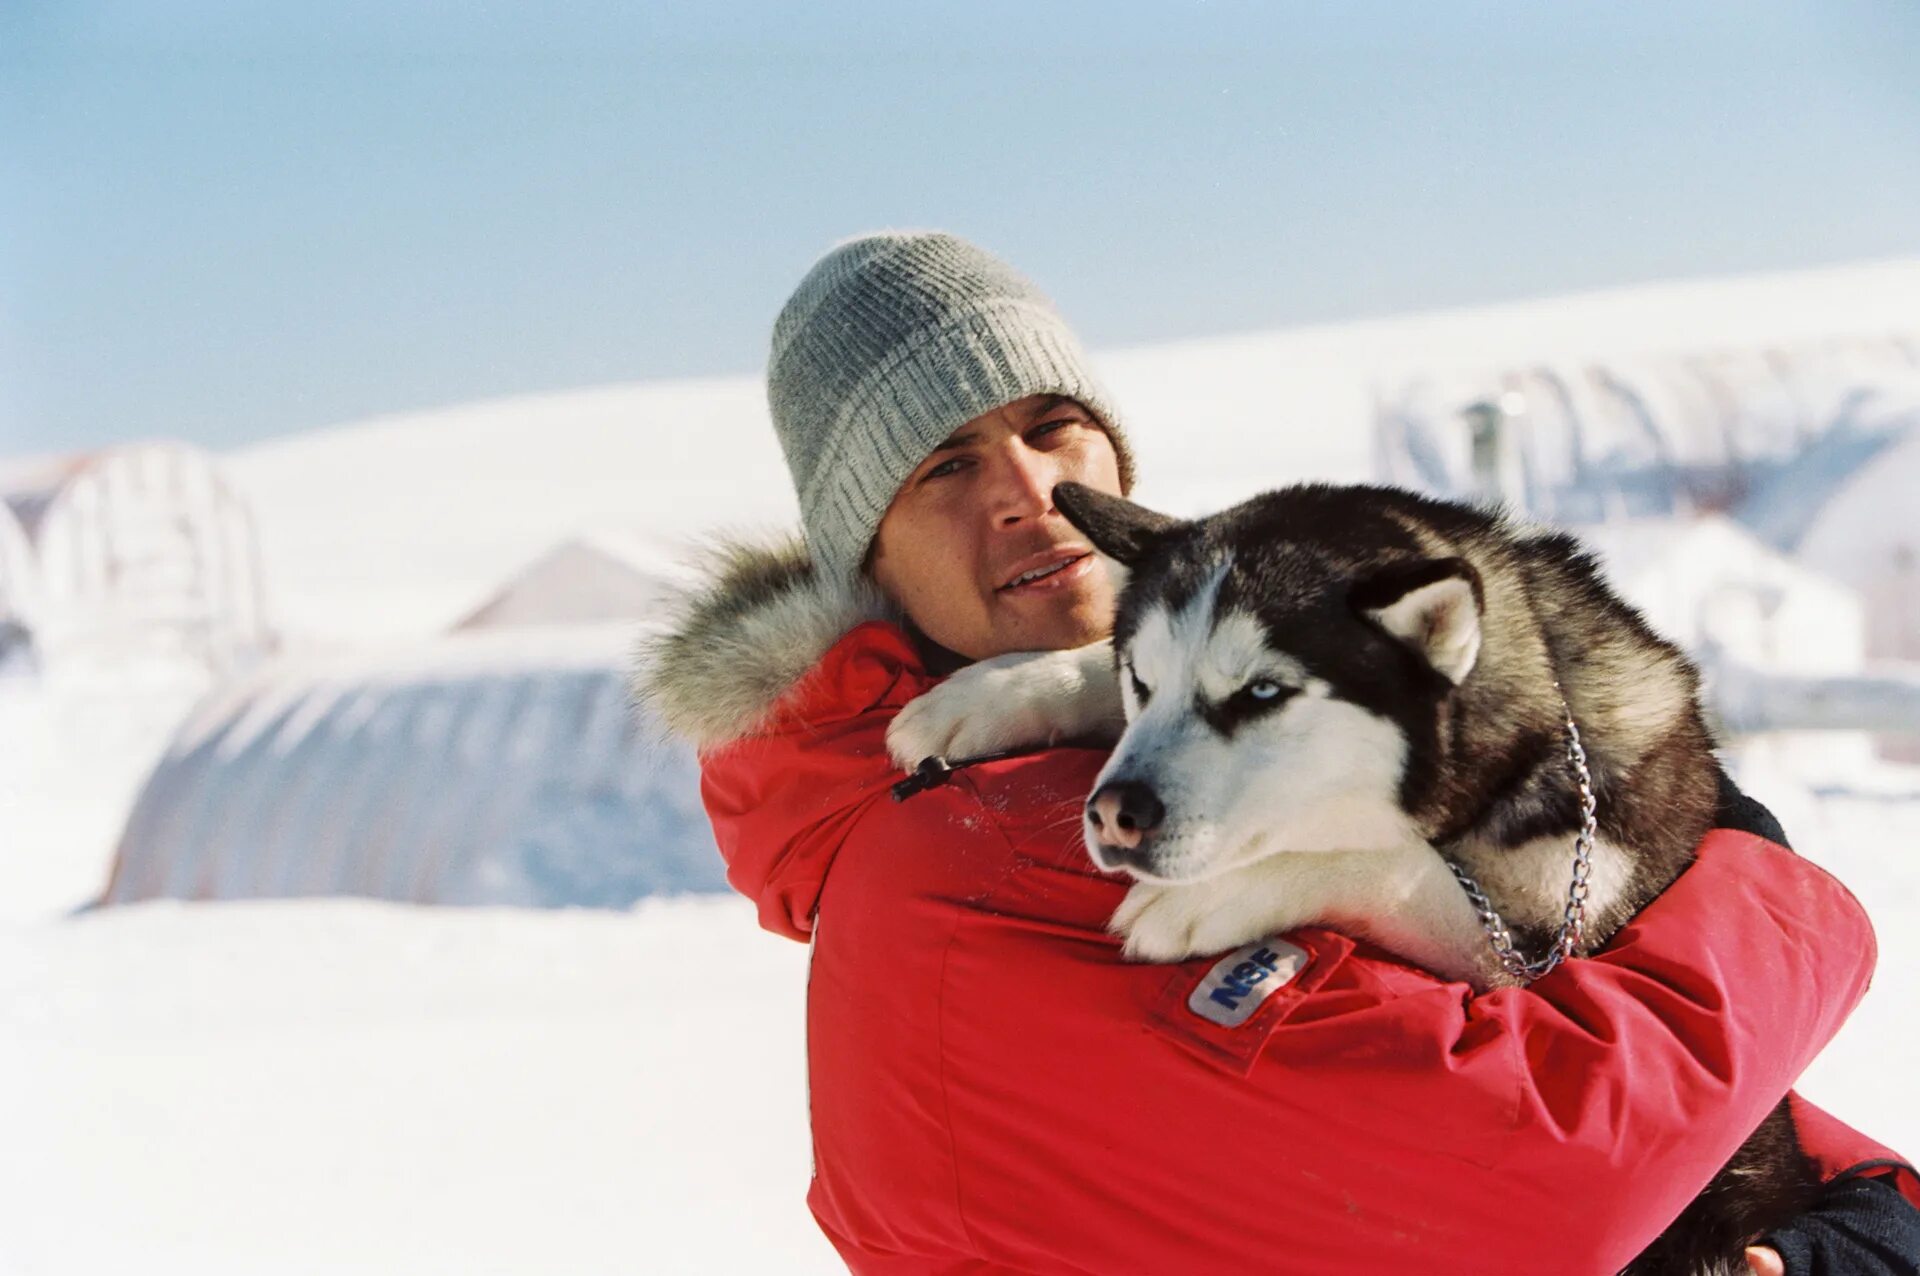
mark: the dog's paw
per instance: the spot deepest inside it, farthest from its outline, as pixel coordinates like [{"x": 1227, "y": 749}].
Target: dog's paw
[
  {"x": 1158, "y": 923},
  {"x": 965, "y": 719},
  {"x": 1198, "y": 919},
  {"x": 1026, "y": 698}
]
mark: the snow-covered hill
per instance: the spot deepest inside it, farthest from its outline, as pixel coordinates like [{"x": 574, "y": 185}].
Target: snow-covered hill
[{"x": 403, "y": 525}]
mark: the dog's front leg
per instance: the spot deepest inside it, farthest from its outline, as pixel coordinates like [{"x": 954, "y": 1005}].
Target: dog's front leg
[
  {"x": 1027, "y": 697},
  {"x": 1167, "y": 923},
  {"x": 1404, "y": 899},
  {"x": 1409, "y": 902}
]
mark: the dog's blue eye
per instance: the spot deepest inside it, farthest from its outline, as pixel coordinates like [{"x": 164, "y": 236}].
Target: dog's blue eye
[{"x": 1253, "y": 700}]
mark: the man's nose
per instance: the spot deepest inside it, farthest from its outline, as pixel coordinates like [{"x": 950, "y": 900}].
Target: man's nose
[{"x": 1024, "y": 490}]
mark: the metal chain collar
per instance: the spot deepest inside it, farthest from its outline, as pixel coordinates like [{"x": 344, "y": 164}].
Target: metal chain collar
[{"x": 1574, "y": 918}]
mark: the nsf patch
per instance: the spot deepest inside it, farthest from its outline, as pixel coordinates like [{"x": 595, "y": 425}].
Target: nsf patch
[
  {"x": 1224, "y": 1010},
  {"x": 1236, "y": 984}
]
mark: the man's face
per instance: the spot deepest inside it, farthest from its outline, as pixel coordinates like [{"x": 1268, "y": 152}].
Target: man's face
[{"x": 972, "y": 548}]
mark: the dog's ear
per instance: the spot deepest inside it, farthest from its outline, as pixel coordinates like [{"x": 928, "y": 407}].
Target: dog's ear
[
  {"x": 1118, "y": 528},
  {"x": 1433, "y": 606}
]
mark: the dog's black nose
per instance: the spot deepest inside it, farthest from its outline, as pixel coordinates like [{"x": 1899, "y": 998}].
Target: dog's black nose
[{"x": 1125, "y": 813}]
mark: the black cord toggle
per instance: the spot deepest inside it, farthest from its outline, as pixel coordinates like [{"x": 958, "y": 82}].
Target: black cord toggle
[
  {"x": 931, "y": 772},
  {"x": 936, "y": 770}
]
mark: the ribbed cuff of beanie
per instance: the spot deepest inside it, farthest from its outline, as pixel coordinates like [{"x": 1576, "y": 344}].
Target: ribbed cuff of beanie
[{"x": 937, "y": 381}]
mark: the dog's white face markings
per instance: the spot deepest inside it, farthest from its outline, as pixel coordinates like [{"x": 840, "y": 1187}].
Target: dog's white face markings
[
  {"x": 1192, "y": 652},
  {"x": 1235, "y": 652},
  {"x": 1312, "y": 773},
  {"x": 1157, "y": 658}
]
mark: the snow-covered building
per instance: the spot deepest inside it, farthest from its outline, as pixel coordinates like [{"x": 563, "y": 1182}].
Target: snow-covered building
[
  {"x": 593, "y": 577},
  {"x": 19, "y": 595},
  {"x": 1868, "y": 535},
  {"x": 1766, "y": 433},
  {"x": 1744, "y": 611},
  {"x": 1721, "y": 593},
  {"x": 485, "y": 767},
  {"x": 141, "y": 549}
]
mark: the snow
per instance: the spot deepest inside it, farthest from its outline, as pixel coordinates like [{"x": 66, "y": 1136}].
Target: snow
[
  {"x": 1868, "y": 537},
  {"x": 331, "y": 1084},
  {"x": 75, "y": 746},
  {"x": 448, "y": 505},
  {"x": 1868, "y": 835},
  {"x": 1711, "y": 586},
  {"x": 347, "y": 1086},
  {"x": 1745, "y": 612}
]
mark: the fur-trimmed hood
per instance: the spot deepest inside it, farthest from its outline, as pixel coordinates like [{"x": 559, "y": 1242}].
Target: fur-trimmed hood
[{"x": 758, "y": 618}]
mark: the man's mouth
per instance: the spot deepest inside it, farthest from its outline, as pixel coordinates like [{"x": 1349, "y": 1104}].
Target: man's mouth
[{"x": 1046, "y": 570}]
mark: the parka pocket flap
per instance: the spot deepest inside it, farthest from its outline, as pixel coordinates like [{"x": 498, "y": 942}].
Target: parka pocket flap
[{"x": 1224, "y": 1008}]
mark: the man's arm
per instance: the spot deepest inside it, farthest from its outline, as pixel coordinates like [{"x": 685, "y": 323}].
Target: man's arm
[
  {"x": 1679, "y": 1037},
  {"x": 1634, "y": 1073}
]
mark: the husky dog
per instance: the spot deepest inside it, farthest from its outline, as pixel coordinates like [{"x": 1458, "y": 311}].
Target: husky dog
[{"x": 1326, "y": 690}]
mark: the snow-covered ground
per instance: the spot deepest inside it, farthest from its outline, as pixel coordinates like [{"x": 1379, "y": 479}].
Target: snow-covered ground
[
  {"x": 75, "y": 746},
  {"x": 350, "y": 1086},
  {"x": 1869, "y": 837}
]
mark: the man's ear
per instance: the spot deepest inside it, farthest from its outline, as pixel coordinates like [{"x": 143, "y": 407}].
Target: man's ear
[
  {"x": 1432, "y": 606},
  {"x": 1118, "y": 528}
]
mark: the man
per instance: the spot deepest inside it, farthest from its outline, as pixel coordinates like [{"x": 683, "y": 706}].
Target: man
[{"x": 992, "y": 1089}]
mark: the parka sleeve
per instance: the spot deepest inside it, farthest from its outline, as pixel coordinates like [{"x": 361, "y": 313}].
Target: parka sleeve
[
  {"x": 1665, "y": 1050},
  {"x": 783, "y": 799}
]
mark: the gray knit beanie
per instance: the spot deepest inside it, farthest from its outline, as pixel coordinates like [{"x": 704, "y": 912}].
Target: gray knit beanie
[{"x": 891, "y": 343}]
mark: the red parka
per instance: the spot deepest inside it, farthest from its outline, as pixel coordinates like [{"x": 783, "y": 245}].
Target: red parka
[{"x": 993, "y": 1090}]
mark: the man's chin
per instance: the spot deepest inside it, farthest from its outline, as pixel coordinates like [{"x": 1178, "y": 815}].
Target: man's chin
[
  {"x": 1061, "y": 637},
  {"x": 1073, "y": 619}
]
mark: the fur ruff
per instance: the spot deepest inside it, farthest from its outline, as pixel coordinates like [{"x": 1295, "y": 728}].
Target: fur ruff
[{"x": 738, "y": 642}]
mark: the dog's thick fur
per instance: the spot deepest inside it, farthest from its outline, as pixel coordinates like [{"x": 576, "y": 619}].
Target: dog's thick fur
[{"x": 1323, "y": 686}]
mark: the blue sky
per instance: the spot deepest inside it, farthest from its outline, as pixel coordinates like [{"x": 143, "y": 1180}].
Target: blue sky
[{"x": 223, "y": 222}]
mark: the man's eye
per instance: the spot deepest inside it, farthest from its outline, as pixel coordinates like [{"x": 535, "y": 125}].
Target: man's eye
[
  {"x": 951, "y": 466},
  {"x": 1052, "y": 427}
]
